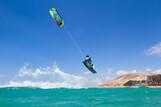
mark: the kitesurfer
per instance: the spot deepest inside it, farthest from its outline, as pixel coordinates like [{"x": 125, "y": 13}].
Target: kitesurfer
[{"x": 88, "y": 63}]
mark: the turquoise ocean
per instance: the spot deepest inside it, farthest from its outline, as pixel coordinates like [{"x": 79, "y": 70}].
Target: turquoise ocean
[{"x": 83, "y": 97}]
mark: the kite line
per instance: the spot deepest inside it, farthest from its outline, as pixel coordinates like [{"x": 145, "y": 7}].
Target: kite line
[{"x": 74, "y": 41}]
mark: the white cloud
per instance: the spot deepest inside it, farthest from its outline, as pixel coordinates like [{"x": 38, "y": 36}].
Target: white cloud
[
  {"x": 154, "y": 50},
  {"x": 157, "y": 71}
]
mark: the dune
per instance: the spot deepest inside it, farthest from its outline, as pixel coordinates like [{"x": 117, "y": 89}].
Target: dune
[{"x": 121, "y": 80}]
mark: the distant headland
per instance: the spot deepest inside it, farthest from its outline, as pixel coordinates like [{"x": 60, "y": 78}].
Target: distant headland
[{"x": 134, "y": 80}]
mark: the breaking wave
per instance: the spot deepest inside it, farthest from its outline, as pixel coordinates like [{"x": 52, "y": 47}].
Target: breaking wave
[
  {"x": 51, "y": 77},
  {"x": 54, "y": 77}
]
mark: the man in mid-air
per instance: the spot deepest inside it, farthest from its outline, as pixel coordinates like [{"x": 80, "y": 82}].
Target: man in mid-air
[{"x": 88, "y": 63}]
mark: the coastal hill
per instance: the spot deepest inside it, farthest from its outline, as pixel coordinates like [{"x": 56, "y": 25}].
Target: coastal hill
[{"x": 134, "y": 79}]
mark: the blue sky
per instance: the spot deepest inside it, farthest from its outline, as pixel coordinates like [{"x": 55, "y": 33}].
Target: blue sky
[{"x": 116, "y": 33}]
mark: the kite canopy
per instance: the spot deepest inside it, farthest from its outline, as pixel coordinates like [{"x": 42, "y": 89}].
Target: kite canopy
[{"x": 57, "y": 18}]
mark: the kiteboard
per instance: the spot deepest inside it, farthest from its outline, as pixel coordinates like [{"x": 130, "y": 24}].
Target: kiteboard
[{"x": 89, "y": 67}]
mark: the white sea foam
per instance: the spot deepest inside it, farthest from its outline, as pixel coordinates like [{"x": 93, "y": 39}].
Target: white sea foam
[{"x": 51, "y": 77}]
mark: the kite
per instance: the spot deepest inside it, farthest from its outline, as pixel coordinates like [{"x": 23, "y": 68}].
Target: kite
[{"x": 56, "y": 16}]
